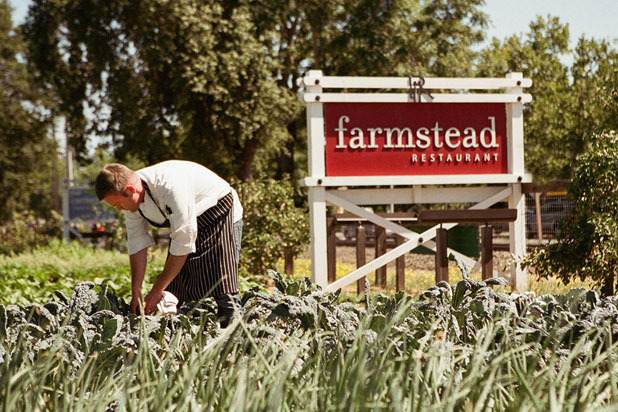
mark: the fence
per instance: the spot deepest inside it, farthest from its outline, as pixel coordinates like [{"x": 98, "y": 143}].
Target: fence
[
  {"x": 544, "y": 211},
  {"x": 546, "y": 206}
]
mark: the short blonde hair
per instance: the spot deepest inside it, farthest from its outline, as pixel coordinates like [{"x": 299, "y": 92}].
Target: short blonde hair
[{"x": 112, "y": 179}]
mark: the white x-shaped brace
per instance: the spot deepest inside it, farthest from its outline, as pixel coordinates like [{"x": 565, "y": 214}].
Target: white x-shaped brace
[{"x": 414, "y": 239}]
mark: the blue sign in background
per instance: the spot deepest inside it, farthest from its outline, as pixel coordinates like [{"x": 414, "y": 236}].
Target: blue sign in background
[{"x": 84, "y": 205}]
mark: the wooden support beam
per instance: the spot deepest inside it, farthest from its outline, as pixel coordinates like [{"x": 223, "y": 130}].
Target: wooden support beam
[
  {"x": 441, "y": 258},
  {"x": 395, "y": 216},
  {"x": 400, "y": 266},
  {"x": 539, "y": 222},
  {"x": 288, "y": 262},
  {"x": 487, "y": 252},
  {"x": 557, "y": 186},
  {"x": 361, "y": 256},
  {"x": 467, "y": 216},
  {"x": 331, "y": 248},
  {"x": 380, "y": 250}
]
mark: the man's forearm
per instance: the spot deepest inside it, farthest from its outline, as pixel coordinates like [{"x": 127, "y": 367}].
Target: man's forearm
[
  {"x": 138, "y": 270},
  {"x": 170, "y": 271}
]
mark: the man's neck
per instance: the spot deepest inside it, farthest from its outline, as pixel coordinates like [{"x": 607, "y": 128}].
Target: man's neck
[{"x": 142, "y": 190}]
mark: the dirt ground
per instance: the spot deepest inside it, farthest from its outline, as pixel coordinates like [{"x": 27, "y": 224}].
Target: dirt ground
[{"x": 346, "y": 255}]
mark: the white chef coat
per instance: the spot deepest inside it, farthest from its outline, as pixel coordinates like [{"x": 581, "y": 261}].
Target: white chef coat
[{"x": 183, "y": 190}]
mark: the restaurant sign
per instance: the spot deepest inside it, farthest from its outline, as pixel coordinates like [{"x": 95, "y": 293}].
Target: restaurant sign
[{"x": 389, "y": 139}]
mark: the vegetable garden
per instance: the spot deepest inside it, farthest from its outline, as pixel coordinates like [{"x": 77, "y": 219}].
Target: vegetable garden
[{"x": 457, "y": 347}]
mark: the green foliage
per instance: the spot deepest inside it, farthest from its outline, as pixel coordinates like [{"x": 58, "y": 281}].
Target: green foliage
[
  {"x": 185, "y": 79},
  {"x": 569, "y": 104},
  {"x": 33, "y": 276},
  {"x": 588, "y": 245},
  {"x": 27, "y": 154},
  {"x": 25, "y": 232},
  {"x": 271, "y": 224}
]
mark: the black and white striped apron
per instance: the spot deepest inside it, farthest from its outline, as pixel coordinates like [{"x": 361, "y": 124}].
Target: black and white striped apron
[{"x": 212, "y": 270}]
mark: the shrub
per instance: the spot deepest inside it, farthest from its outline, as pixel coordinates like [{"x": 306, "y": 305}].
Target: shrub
[
  {"x": 26, "y": 232},
  {"x": 271, "y": 224},
  {"x": 588, "y": 244}
]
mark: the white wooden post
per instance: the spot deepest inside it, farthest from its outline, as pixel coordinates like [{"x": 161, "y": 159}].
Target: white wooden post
[
  {"x": 517, "y": 238},
  {"x": 317, "y": 195},
  {"x": 317, "y": 223},
  {"x": 515, "y": 139},
  {"x": 515, "y": 129}
]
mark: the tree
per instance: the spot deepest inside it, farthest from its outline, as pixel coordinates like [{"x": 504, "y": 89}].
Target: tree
[
  {"x": 569, "y": 103},
  {"x": 273, "y": 225},
  {"x": 27, "y": 153},
  {"x": 538, "y": 56},
  {"x": 594, "y": 87},
  {"x": 588, "y": 244},
  {"x": 187, "y": 79}
]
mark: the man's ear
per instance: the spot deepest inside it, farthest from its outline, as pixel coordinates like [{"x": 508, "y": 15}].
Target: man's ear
[{"x": 129, "y": 190}]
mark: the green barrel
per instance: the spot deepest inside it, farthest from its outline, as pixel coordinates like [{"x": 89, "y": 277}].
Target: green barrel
[{"x": 464, "y": 239}]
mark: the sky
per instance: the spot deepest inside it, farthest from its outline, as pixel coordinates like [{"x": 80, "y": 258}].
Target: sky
[{"x": 593, "y": 18}]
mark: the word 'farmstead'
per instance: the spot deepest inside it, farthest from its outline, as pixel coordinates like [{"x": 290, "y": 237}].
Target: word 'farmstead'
[{"x": 407, "y": 139}]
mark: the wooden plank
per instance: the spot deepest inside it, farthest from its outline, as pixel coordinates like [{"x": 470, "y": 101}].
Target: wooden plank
[
  {"x": 557, "y": 186},
  {"x": 415, "y": 180},
  {"x": 288, "y": 262},
  {"x": 311, "y": 98},
  {"x": 515, "y": 128},
  {"x": 361, "y": 256},
  {"x": 396, "y": 216},
  {"x": 467, "y": 216},
  {"x": 317, "y": 222},
  {"x": 417, "y": 195},
  {"x": 539, "y": 222},
  {"x": 517, "y": 240},
  {"x": 357, "y": 82},
  {"x": 315, "y": 133}
]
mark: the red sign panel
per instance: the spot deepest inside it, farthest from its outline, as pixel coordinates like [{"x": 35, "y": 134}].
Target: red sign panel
[{"x": 382, "y": 139}]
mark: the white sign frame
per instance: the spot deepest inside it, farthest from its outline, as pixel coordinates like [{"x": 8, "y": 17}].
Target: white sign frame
[{"x": 323, "y": 189}]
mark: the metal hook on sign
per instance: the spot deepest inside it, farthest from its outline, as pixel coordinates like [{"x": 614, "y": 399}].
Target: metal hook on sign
[
  {"x": 417, "y": 90},
  {"x": 416, "y": 87},
  {"x": 412, "y": 90}
]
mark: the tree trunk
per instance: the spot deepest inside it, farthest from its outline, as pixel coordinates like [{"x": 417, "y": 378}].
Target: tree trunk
[
  {"x": 288, "y": 262},
  {"x": 245, "y": 167},
  {"x": 608, "y": 286},
  {"x": 285, "y": 161}
]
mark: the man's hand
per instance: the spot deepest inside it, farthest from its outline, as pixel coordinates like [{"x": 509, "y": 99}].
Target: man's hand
[
  {"x": 151, "y": 300},
  {"x": 136, "y": 302}
]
